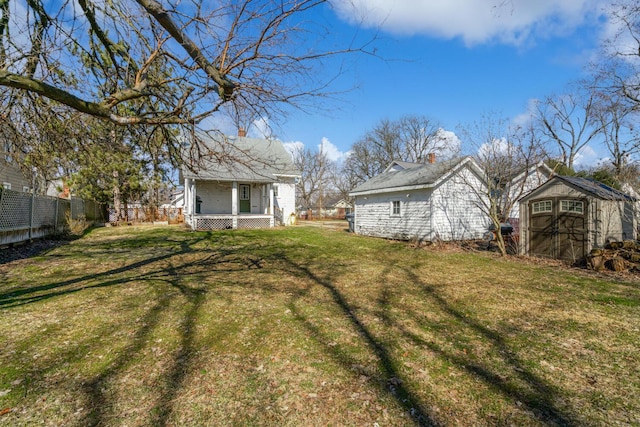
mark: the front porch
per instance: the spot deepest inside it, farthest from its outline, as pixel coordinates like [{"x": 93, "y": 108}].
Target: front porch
[{"x": 211, "y": 205}]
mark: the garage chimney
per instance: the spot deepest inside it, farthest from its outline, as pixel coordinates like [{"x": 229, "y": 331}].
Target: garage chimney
[
  {"x": 431, "y": 158},
  {"x": 242, "y": 132}
]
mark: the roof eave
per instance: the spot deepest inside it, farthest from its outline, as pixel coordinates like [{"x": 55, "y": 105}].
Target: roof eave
[{"x": 391, "y": 190}]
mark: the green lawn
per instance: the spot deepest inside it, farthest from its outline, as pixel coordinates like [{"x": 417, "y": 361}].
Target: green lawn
[{"x": 309, "y": 326}]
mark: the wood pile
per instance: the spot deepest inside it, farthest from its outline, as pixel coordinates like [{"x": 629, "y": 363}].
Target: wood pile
[{"x": 616, "y": 256}]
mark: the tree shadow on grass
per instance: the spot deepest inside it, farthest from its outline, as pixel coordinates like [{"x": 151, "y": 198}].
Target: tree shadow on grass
[
  {"x": 393, "y": 383},
  {"x": 181, "y": 364},
  {"x": 27, "y": 295},
  {"x": 526, "y": 388},
  {"x": 171, "y": 269}
]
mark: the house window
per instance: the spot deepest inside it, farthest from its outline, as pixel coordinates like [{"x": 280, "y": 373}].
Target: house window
[
  {"x": 244, "y": 192},
  {"x": 541, "y": 207},
  {"x": 25, "y": 189},
  {"x": 275, "y": 190},
  {"x": 6, "y": 185},
  {"x": 571, "y": 206},
  {"x": 395, "y": 208}
]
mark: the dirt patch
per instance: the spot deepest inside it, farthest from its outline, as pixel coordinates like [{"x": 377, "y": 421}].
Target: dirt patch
[{"x": 28, "y": 249}]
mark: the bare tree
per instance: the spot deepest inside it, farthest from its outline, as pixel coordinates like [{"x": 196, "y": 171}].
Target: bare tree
[
  {"x": 617, "y": 120},
  {"x": 409, "y": 139},
  {"x": 507, "y": 156},
  {"x": 620, "y": 59},
  {"x": 568, "y": 122},
  {"x": 316, "y": 173},
  {"x": 420, "y": 137},
  {"x": 147, "y": 62}
]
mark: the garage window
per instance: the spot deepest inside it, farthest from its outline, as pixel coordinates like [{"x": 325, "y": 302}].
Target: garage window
[
  {"x": 540, "y": 207},
  {"x": 395, "y": 208},
  {"x": 571, "y": 206}
]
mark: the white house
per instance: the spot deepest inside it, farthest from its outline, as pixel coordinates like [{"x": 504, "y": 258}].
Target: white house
[
  {"x": 240, "y": 183},
  {"x": 433, "y": 201}
]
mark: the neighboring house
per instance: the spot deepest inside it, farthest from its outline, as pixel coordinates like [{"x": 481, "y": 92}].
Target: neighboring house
[
  {"x": 433, "y": 201},
  {"x": 244, "y": 183},
  {"x": 566, "y": 217},
  {"x": 341, "y": 208},
  {"x": 332, "y": 208},
  {"x": 11, "y": 177}
]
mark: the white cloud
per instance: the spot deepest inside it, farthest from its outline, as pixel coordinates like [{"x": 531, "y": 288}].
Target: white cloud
[
  {"x": 475, "y": 21},
  {"x": 260, "y": 128},
  {"x": 333, "y": 153},
  {"x": 498, "y": 146},
  {"x": 524, "y": 119},
  {"x": 588, "y": 158},
  {"x": 451, "y": 143}
]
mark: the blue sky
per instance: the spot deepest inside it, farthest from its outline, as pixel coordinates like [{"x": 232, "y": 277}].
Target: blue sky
[{"x": 452, "y": 63}]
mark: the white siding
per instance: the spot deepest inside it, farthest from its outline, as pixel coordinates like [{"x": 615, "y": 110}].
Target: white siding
[
  {"x": 458, "y": 209},
  {"x": 286, "y": 199},
  {"x": 523, "y": 186},
  {"x": 216, "y": 197},
  {"x": 374, "y": 216}
]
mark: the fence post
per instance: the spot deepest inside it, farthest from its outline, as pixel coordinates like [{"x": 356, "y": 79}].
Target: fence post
[
  {"x": 33, "y": 195},
  {"x": 55, "y": 221}
]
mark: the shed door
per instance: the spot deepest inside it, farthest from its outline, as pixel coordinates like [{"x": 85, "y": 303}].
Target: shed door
[
  {"x": 245, "y": 198},
  {"x": 541, "y": 228},
  {"x": 572, "y": 229},
  {"x": 558, "y": 228}
]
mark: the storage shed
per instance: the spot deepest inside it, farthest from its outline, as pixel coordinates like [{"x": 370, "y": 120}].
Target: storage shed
[{"x": 566, "y": 217}]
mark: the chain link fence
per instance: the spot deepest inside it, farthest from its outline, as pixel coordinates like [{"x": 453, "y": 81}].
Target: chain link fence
[{"x": 25, "y": 216}]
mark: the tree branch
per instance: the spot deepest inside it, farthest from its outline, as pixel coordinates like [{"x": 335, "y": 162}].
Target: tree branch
[{"x": 155, "y": 9}]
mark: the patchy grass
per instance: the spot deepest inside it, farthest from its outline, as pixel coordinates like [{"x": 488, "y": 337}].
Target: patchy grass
[{"x": 309, "y": 326}]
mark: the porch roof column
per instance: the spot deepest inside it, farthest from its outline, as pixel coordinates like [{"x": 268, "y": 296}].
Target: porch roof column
[
  {"x": 271, "y": 204},
  {"x": 192, "y": 201},
  {"x": 187, "y": 196},
  {"x": 234, "y": 198}
]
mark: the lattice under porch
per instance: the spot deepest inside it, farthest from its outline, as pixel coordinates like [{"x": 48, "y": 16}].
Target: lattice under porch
[{"x": 225, "y": 222}]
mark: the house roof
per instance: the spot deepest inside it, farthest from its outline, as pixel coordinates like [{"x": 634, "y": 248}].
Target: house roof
[
  {"x": 235, "y": 158},
  {"x": 398, "y": 164},
  {"x": 594, "y": 188},
  {"x": 416, "y": 176},
  {"x": 541, "y": 167}
]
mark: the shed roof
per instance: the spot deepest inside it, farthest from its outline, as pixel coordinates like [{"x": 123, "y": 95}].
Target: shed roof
[
  {"x": 422, "y": 176},
  {"x": 596, "y": 188},
  {"x": 590, "y": 186},
  {"x": 233, "y": 158}
]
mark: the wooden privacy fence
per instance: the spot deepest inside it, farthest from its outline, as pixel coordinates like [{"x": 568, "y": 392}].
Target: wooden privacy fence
[
  {"x": 172, "y": 215},
  {"x": 25, "y": 216}
]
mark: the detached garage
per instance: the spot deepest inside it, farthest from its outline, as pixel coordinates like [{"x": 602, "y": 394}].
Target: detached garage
[{"x": 566, "y": 217}]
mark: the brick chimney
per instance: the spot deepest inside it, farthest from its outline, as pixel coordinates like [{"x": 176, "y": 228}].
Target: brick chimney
[
  {"x": 431, "y": 158},
  {"x": 242, "y": 132}
]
